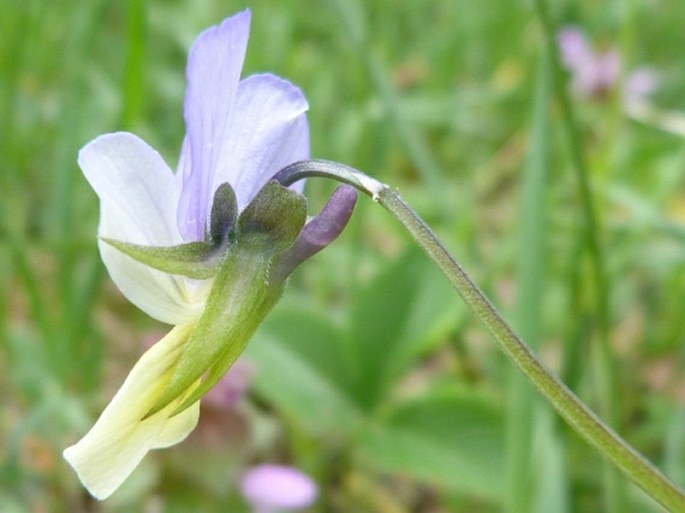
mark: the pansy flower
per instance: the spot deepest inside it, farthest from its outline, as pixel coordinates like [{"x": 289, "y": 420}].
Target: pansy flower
[
  {"x": 207, "y": 249},
  {"x": 596, "y": 73}
]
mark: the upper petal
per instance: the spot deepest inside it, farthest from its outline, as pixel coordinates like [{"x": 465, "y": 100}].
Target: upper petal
[
  {"x": 214, "y": 65},
  {"x": 138, "y": 200},
  {"x": 122, "y": 435},
  {"x": 268, "y": 130},
  {"x": 136, "y": 188}
]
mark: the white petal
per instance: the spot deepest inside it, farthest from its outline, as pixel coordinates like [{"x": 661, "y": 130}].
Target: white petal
[
  {"x": 268, "y": 130},
  {"x": 167, "y": 298},
  {"x": 138, "y": 201},
  {"x": 120, "y": 438},
  {"x": 135, "y": 186}
]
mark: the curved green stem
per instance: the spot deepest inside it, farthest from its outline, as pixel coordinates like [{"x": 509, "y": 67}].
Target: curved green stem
[{"x": 583, "y": 420}]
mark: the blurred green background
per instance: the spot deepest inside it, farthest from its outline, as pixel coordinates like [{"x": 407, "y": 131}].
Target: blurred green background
[{"x": 369, "y": 375}]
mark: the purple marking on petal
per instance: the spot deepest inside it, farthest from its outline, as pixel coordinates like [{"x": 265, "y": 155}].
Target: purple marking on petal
[
  {"x": 269, "y": 487},
  {"x": 214, "y": 65}
]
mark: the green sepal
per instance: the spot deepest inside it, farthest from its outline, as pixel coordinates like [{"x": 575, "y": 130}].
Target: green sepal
[
  {"x": 198, "y": 260},
  {"x": 276, "y": 215},
  {"x": 223, "y": 215},
  {"x": 215, "y": 373},
  {"x": 242, "y": 293}
]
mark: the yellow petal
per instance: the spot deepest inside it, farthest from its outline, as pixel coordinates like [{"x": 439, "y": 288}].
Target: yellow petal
[
  {"x": 120, "y": 438},
  {"x": 177, "y": 427}
]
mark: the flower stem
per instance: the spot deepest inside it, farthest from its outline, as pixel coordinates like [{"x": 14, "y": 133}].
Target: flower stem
[{"x": 583, "y": 420}]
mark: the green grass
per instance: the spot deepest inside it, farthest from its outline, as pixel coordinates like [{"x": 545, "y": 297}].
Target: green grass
[{"x": 370, "y": 374}]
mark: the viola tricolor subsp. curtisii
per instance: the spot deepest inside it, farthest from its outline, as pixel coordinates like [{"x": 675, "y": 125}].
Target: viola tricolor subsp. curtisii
[{"x": 207, "y": 249}]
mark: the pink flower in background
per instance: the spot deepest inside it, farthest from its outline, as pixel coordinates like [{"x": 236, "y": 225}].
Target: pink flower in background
[
  {"x": 271, "y": 488},
  {"x": 232, "y": 387},
  {"x": 595, "y": 73}
]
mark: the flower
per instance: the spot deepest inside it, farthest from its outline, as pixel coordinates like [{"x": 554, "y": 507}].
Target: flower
[
  {"x": 207, "y": 249},
  {"x": 271, "y": 488},
  {"x": 595, "y": 73},
  {"x": 232, "y": 387}
]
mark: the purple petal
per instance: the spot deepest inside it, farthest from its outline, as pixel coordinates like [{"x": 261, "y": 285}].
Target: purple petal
[
  {"x": 271, "y": 487},
  {"x": 639, "y": 84},
  {"x": 575, "y": 51},
  {"x": 268, "y": 130},
  {"x": 598, "y": 75},
  {"x": 608, "y": 69},
  {"x": 325, "y": 227},
  {"x": 214, "y": 66}
]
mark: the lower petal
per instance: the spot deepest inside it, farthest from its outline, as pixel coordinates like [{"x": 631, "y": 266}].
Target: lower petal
[
  {"x": 168, "y": 298},
  {"x": 122, "y": 435},
  {"x": 177, "y": 427}
]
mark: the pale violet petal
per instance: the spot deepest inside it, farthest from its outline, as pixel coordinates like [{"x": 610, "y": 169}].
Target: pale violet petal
[
  {"x": 268, "y": 131},
  {"x": 640, "y": 84},
  {"x": 214, "y": 65},
  {"x": 114, "y": 446},
  {"x": 574, "y": 47},
  {"x": 138, "y": 201}
]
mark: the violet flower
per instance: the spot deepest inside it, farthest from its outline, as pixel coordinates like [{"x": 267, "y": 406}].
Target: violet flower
[
  {"x": 272, "y": 488},
  {"x": 596, "y": 74},
  {"x": 207, "y": 249}
]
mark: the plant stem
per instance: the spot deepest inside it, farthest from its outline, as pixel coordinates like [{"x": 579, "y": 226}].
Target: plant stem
[
  {"x": 583, "y": 420},
  {"x": 602, "y": 363}
]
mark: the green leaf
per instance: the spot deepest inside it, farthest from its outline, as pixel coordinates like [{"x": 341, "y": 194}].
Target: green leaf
[
  {"x": 548, "y": 466},
  {"x": 311, "y": 333},
  {"x": 298, "y": 369},
  {"x": 377, "y": 321},
  {"x": 400, "y": 314},
  {"x": 198, "y": 260},
  {"x": 453, "y": 439},
  {"x": 435, "y": 312}
]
